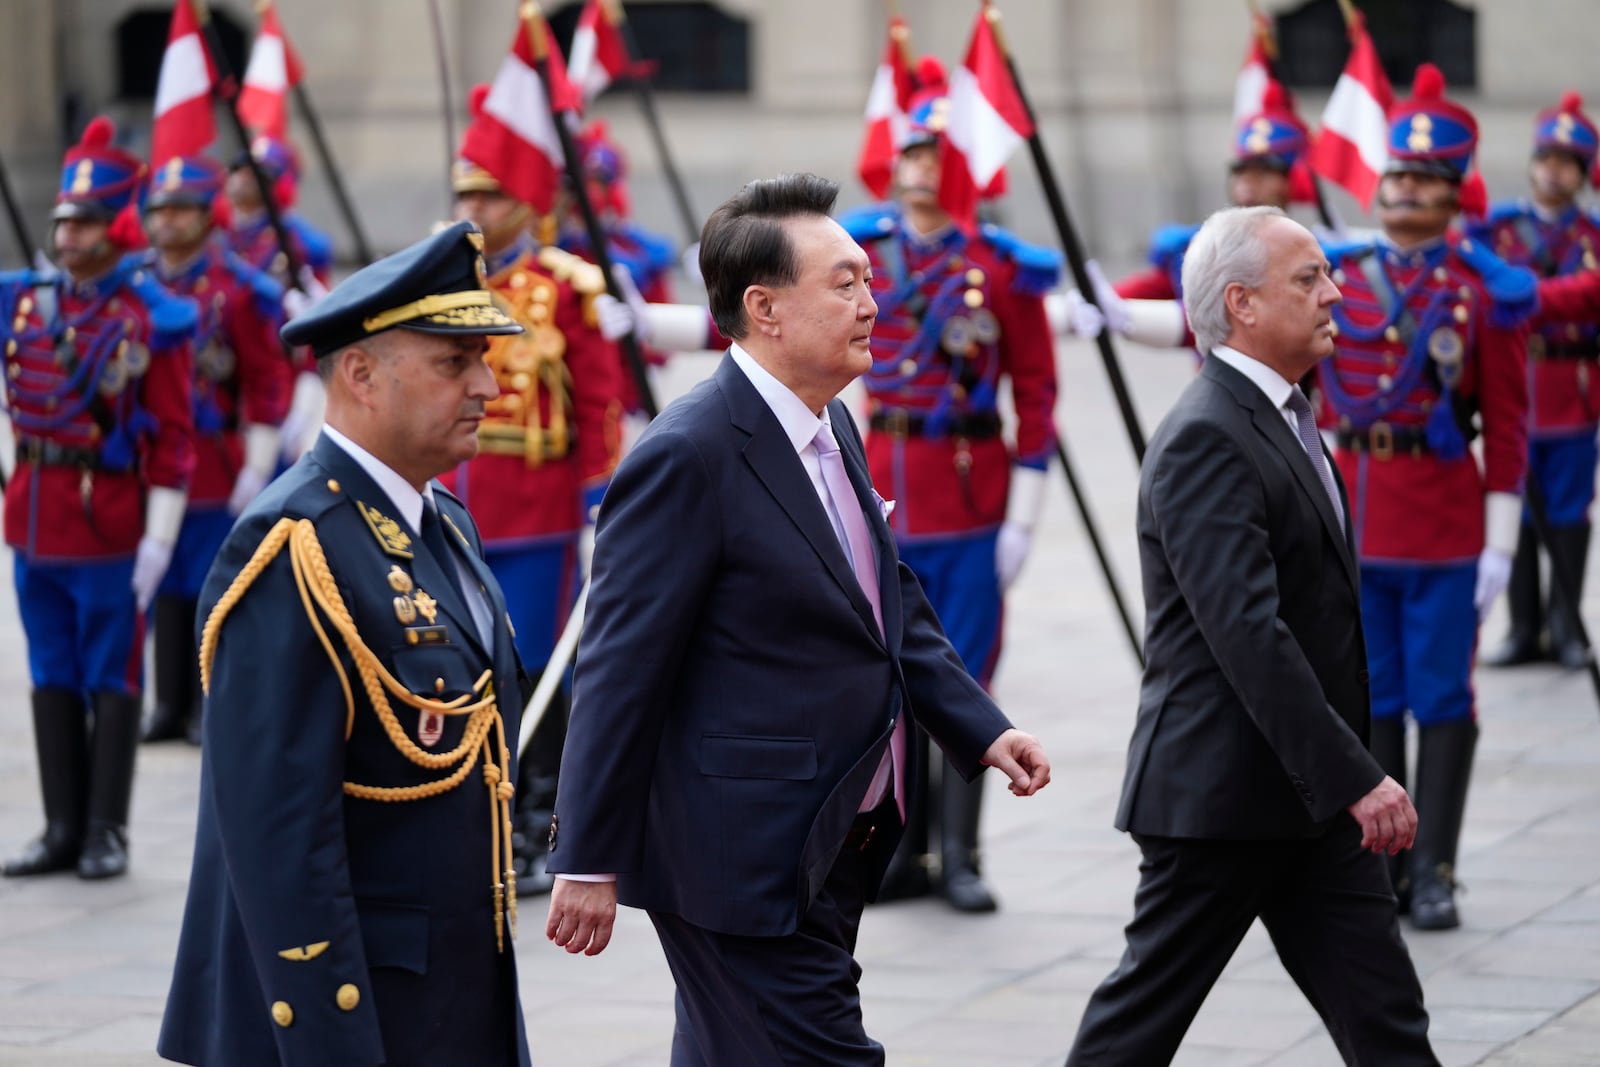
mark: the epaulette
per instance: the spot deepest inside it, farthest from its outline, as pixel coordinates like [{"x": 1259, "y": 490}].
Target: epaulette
[
  {"x": 172, "y": 318},
  {"x": 1171, "y": 242},
  {"x": 318, "y": 245},
  {"x": 872, "y": 222},
  {"x": 25, "y": 278},
  {"x": 1514, "y": 290},
  {"x": 660, "y": 253},
  {"x": 1505, "y": 211},
  {"x": 1038, "y": 268},
  {"x": 266, "y": 289},
  {"x": 584, "y": 277},
  {"x": 1338, "y": 250}
]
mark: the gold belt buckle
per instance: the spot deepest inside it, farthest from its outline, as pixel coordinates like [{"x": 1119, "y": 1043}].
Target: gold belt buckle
[
  {"x": 898, "y": 422},
  {"x": 1380, "y": 441}
]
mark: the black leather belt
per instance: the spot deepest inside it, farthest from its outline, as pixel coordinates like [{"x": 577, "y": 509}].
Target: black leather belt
[
  {"x": 1539, "y": 349},
  {"x": 43, "y": 453},
  {"x": 1382, "y": 441},
  {"x": 868, "y": 823},
  {"x": 903, "y": 423}
]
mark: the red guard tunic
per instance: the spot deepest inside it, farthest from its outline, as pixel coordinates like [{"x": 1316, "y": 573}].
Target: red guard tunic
[
  {"x": 1427, "y": 339},
  {"x": 1573, "y": 297},
  {"x": 98, "y": 387},
  {"x": 241, "y": 372},
  {"x": 1563, "y": 372},
  {"x": 955, "y": 314},
  {"x": 551, "y": 439}
]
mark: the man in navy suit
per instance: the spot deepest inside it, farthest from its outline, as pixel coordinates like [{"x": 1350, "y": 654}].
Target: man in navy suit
[
  {"x": 753, "y": 659},
  {"x": 351, "y": 902}
]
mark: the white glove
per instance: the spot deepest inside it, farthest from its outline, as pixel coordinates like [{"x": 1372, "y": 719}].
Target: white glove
[
  {"x": 1024, "y": 501},
  {"x": 297, "y": 302},
  {"x": 1494, "y": 574},
  {"x": 1011, "y": 550},
  {"x": 260, "y": 459},
  {"x": 1112, "y": 306},
  {"x": 304, "y": 421},
  {"x": 631, "y": 314},
  {"x": 163, "y": 516},
  {"x": 691, "y": 263},
  {"x": 1071, "y": 315}
]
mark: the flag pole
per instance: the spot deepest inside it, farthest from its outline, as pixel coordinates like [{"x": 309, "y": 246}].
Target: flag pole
[
  {"x": 612, "y": 9},
  {"x": 539, "y": 45},
  {"x": 446, "y": 101},
  {"x": 227, "y": 89},
  {"x": 1069, "y": 239},
  {"x": 1263, "y": 29},
  {"x": 19, "y": 228}
]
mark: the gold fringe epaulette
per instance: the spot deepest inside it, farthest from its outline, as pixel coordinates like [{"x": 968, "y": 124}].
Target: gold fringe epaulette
[
  {"x": 320, "y": 596},
  {"x": 584, "y": 277}
]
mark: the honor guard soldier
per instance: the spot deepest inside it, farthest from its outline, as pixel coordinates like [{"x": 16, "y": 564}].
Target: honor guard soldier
[
  {"x": 242, "y": 382},
  {"x": 98, "y": 364},
  {"x": 549, "y": 445},
  {"x": 957, "y": 314},
  {"x": 1267, "y": 170},
  {"x": 648, "y": 257},
  {"x": 351, "y": 900},
  {"x": 251, "y": 235},
  {"x": 1430, "y": 339},
  {"x": 1551, "y": 235}
]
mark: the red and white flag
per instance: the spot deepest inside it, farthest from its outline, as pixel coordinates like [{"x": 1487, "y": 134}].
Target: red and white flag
[
  {"x": 1250, "y": 90},
  {"x": 987, "y": 121},
  {"x": 274, "y": 69},
  {"x": 514, "y": 136},
  {"x": 184, "y": 125},
  {"x": 1352, "y": 147},
  {"x": 599, "y": 52},
  {"x": 887, "y": 105}
]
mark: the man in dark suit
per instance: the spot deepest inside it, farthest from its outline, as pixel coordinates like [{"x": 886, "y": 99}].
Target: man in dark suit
[
  {"x": 351, "y": 902},
  {"x": 1249, "y": 786},
  {"x": 754, "y": 657}
]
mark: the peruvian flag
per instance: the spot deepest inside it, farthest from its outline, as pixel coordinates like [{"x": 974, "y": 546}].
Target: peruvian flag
[
  {"x": 1251, "y": 87},
  {"x": 1353, "y": 145},
  {"x": 274, "y": 69},
  {"x": 184, "y": 125},
  {"x": 987, "y": 121},
  {"x": 515, "y": 137},
  {"x": 887, "y": 105},
  {"x": 599, "y": 52}
]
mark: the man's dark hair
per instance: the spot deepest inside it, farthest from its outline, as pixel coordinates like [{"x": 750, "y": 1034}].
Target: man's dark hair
[{"x": 744, "y": 242}]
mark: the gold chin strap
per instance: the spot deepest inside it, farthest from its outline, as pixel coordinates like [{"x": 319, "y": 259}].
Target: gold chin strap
[{"x": 485, "y": 728}]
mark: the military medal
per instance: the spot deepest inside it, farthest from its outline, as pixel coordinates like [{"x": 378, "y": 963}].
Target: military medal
[
  {"x": 426, "y": 605},
  {"x": 1445, "y": 346},
  {"x": 957, "y": 336},
  {"x": 430, "y": 727},
  {"x": 986, "y": 326},
  {"x": 399, "y": 580},
  {"x": 405, "y": 610}
]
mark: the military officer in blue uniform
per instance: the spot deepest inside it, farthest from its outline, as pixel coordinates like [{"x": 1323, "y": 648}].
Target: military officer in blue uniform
[{"x": 352, "y": 899}]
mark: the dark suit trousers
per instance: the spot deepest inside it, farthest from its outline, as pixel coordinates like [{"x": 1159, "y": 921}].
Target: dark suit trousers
[
  {"x": 1326, "y": 904},
  {"x": 774, "y": 1001}
]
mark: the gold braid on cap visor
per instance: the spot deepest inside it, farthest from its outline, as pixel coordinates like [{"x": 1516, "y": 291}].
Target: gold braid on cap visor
[{"x": 471, "y": 307}]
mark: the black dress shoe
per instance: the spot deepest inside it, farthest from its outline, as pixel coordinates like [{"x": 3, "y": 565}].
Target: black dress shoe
[
  {"x": 966, "y": 892},
  {"x": 1516, "y": 650},
  {"x": 1433, "y": 901},
  {"x": 105, "y": 852},
  {"x": 56, "y": 849}
]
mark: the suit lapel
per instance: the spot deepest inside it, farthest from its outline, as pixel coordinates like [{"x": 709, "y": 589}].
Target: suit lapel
[
  {"x": 1270, "y": 422},
  {"x": 430, "y": 574},
  {"x": 772, "y": 457}
]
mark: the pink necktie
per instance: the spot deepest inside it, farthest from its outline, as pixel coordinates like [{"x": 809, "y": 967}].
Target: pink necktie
[{"x": 858, "y": 546}]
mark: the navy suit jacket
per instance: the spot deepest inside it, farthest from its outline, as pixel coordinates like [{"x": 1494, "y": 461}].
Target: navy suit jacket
[
  {"x": 733, "y": 695},
  {"x": 299, "y": 889}
]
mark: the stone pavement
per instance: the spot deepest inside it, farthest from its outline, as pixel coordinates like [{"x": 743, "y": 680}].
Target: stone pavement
[{"x": 84, "y": 967}]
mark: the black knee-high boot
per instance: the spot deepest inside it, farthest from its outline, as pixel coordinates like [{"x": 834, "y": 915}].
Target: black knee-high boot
[
  {"x": 112, "y": 750},
  {"x": 61, "y": 739},
  {"x": 175, "y": 666},
  {"x": 962, "y": 804},
  {"x": 907, "y": 875},
  {"x": 1571, "y": 545},
  {"x": 1389, "y": 749},
  {"x": 1444, "y": 771}
]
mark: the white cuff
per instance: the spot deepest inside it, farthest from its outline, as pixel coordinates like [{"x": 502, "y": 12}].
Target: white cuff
[
  {"x": 163, "y": 513},
  {"x": 679, "y": 327},
  {"x": 1057, "y": 306},
  {"x": 588, "y": 877},
  {"x": 261, "y": 445},
  {"x": 1158, "y": 323},
  {"x": 1502, "y": 521},
  {"x": 1025, "y": 500}
]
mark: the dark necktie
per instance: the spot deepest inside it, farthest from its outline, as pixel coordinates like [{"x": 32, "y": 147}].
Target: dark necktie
[
  {"x": 1311, "y": 440},
  {"x": 437, "y": 538}
]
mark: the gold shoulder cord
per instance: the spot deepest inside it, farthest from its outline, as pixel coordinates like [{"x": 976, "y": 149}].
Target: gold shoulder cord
[{"x": 317, "y": 589}]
